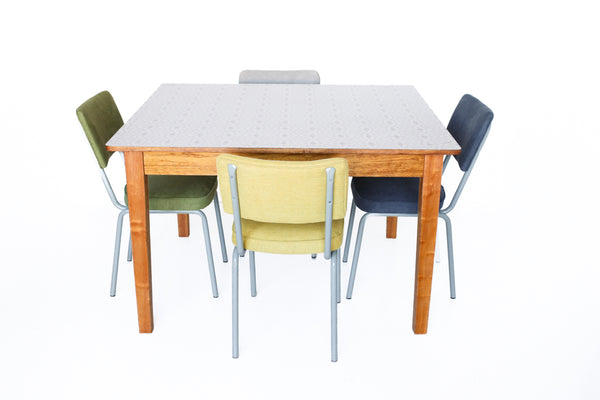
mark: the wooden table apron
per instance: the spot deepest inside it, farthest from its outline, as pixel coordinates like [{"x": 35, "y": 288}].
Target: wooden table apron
[{"x": 141, "y": 162}]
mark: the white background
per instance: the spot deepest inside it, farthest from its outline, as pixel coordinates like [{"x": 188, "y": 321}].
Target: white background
[{"x": 526, "y": 321}]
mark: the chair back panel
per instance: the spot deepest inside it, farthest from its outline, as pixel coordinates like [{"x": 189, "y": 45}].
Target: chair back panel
[
  {"x": 266, "y": 76},
  {"x": 469, "y": 123},
  {"x": 100, "y": 119},
  {"x": 283, "y": 191}
]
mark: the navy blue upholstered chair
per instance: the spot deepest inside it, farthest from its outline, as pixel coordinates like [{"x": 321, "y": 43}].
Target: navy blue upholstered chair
[{"x": 470, "y": 124}]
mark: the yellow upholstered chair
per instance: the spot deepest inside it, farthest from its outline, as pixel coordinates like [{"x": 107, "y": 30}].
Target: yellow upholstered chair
[{"x": 285, "y": 207}]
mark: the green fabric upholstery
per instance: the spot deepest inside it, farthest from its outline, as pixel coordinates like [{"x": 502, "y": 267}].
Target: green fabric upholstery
[
  {"x": 186, "y": 193},
  {"x": 100, "y": 119},
  {"x": 289, "y": 238},
  {"x": 284, "y": 191}
]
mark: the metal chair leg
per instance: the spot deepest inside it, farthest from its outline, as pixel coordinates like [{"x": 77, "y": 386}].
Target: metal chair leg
[
  {"x": 115, "y": 268},
  {"x": 333, "y": 302},
  {"x": 235, "y": 260},
  {"x": 338, "y": 259},
  {"x": 446, "y": 219},
  {"x": 349, "y": 231},
  {"x": 209, "y": 256},
  {"x": 220, "y": 227},
  {"x": 252, "y": 274},
  {"x": 437, "y": 248},
  {"x": 129, "y": 252},
  {"x": 359, "y": 235}
]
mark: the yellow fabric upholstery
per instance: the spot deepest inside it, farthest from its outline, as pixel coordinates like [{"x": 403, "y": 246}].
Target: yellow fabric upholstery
[
  {"x": 289, "y": 238},
  {"x": 283, "y": 191},
  {"x": 283, "y": 203}
]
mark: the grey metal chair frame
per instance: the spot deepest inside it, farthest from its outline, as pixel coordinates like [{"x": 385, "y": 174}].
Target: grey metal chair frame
[
  {"x": 443, "y": 214},
  {"x": 124, "y": 210},
  {"x": 239, "y": 251}
]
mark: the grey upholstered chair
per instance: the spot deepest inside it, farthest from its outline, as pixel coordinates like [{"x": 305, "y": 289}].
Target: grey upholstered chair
[
  {"x": 300, "y": 76},
  {"x": 268, "y": 76}
]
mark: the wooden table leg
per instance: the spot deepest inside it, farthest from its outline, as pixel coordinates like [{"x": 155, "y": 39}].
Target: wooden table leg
[
  {"x": 429, "y": 205},
  {"x": 183, "y": 223},
  {"x": 391, "y": 227},
  {"x": 137, "y": 191}
]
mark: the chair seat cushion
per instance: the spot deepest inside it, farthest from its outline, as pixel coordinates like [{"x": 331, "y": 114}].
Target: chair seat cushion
[
  {"x": 388, "y": 195},
  {"x": 169, "y": 192},
  {"x": 289, "y": 238}
]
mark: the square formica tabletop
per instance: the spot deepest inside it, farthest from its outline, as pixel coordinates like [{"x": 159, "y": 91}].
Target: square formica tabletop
[
  {"x": 379, "y": 130},
  {"x": 287, "y": 117}
]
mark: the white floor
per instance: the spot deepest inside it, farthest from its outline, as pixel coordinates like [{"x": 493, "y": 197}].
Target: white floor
[
  {"x": 520, "y": 318},
  {"x": 525, "y": 323}
]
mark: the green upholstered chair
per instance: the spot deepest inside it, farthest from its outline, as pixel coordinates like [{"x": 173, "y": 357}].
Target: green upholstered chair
[
  {"x": 285, "y": 207},
  {"x": 100, "y": 119}
]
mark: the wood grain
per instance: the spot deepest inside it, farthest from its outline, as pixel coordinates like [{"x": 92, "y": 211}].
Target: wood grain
[
  {"x": 391, "y": 227},
  {"x": 361, "y": 164},
  {"x": 137, "y": 191},
  {"x": 183, "y": 225},
  {"x": 429, "y": 205}
]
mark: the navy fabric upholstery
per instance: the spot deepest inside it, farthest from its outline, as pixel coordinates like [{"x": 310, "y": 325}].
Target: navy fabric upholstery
[
  {"x": 469, "y": 123},
  {"x": 388, "y": 195}
]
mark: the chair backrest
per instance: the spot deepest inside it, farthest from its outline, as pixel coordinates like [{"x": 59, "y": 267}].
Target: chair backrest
[
  {"x": 266, "y": 76},
  {"x": 469, "y": 125},
  {"x": 283, "y": 191},
  {"x": 100, "y": 119}
]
